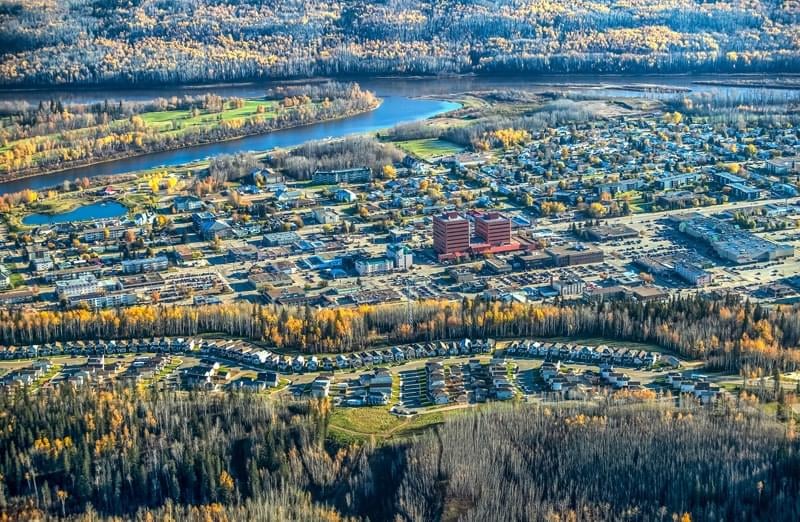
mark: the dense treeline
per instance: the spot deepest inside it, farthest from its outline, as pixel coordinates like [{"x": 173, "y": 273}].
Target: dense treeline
[
  {"x": 727, "y": 333},
  {"x": 350, "y": 152},
  {"x": 150, "y": 41},
  {"x": 594, "y": 464},
  {"x": 104, "y": 455},
  {"x": 124, "y": 449},
  {"x": 53, "y": 135}
]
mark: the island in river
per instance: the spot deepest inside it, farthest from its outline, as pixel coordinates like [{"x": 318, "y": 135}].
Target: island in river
[{"x": 53, "y": 136}]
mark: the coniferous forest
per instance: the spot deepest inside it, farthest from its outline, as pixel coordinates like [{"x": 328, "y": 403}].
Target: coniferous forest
[{"x": 145, "y": 455}]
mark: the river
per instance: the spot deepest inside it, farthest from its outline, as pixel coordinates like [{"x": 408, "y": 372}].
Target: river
[{"x": 401, "y": 103}]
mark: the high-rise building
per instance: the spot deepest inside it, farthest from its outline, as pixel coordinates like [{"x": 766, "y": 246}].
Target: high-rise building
[
  {"x": 450, "y": 234},
  {"x": 494, "y": 228}
]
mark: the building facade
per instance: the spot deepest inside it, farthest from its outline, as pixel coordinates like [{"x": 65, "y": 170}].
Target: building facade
[
  {"x": 450, "y": 234},
  {"x": 493, "y": 228}
]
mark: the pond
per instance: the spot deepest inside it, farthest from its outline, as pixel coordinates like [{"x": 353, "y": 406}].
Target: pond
[{"x": 98, "y": 210}]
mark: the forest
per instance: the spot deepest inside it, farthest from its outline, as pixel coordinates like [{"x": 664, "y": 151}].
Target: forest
[
  {"x": 54, "y": 135},
  {"x": 126, "y": 453},
  {"x": 350, "y": 152},
  {"x": 727, "y": 333},
  {"x": 83, "y": 42}
]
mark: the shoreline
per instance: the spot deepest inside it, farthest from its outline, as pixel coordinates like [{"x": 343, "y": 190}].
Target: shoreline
[
  {"x": 112, "y": 86},
  {"x": 112, "y": 159}
]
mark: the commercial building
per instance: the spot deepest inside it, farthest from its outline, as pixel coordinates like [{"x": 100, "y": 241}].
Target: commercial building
[
  {"x": 450, "y": 234},
  {"x": 568, "y": 286},
  {"x": 262, "y": 280},
  {"x": 397, "y": 235},
  {"x": 784, "y": 166},
  {"x": 611, "y": 232},
  {"x": 281, "y": 238},
  {"x": 402, "y": 257},
  {"x": 493, "y": 228},
  {"x": 246, "y": 252},
  {"x": 326, "y": 216},
  {"x": 692, "y": 274},
  {"x": 576, "y": 254},
  {"x": 497, "y": 266},
  {"x": 148, "y": 264},
  {"x": 373, "y": 265},
  {"x": 731, "y": 243},
  {"x": 534, "y": 259}
]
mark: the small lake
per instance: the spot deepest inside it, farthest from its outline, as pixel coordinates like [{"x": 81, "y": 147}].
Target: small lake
[{"x": 99, "y": 210}]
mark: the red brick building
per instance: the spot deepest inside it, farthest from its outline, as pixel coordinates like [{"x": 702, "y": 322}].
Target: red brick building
[
  {"x": 450, "y": 234},
  {"x": 493, "y": 228}
]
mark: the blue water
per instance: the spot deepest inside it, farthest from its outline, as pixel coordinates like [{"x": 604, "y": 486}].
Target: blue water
[
  {"x": 99, "y": 210},
  {"x": 393, "y": 110}
]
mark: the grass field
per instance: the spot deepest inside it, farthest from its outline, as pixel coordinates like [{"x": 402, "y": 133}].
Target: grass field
[
  {"x": 428, "y": 149},
  {"x": 163, "y": 120},
  {"x": 16, "y": 279},
  {"x": 360, "y": 424}
]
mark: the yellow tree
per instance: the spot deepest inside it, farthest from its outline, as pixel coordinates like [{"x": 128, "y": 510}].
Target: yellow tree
[{"x": 389, "y": 172}]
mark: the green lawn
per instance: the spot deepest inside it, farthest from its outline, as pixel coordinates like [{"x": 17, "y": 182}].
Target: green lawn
[
  {"x": 16, "y": 279},
  {"x": 429, "y": 148},
  {"x": 162, "y": 120},
  {"x": 349, "y": 425},
  {"x": 369, "y": 420},
  {"x": 44, "y": 379}
]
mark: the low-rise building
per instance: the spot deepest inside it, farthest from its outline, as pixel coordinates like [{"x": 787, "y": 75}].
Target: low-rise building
[{"x": 146, "y": 264}]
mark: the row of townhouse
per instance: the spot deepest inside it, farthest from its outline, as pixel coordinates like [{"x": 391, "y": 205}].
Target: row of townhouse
[
  {"x": 89, "y": 348},
  {"x": 207, "y": 375},
  {"x": 583, "y": 353},
  {"x": 577, "y": 385},
  {"x": 28, "y": 375},
  {"x": 368, "y": 389},
  {"x": 694, "y": 384},
  {"x": 236, "y": 350},
  {"x": 146, "y": 367},
  {"x": 471, "y": 382},
  {"x": 396, "y": 354}
]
